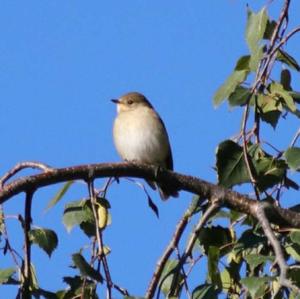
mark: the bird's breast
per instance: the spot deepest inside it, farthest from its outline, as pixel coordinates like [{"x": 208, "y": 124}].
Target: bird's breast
[{"x": 139, "y": 135}]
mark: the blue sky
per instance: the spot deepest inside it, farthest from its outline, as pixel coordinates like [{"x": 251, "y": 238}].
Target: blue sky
[{"x": 60, "y": 64}]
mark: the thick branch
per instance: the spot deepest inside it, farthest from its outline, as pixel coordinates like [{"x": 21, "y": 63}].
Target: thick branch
[{"x": 204, "y": 189}]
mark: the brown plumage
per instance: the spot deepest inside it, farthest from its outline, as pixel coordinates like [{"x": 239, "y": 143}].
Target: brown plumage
[{"x": 140, "y": 135}]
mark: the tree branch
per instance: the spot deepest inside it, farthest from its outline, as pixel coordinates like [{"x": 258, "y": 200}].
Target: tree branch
[
  {"x": 100, "y": 253},
  {"x": 261, "y": 216},
  {"x": 21, "y": 166},
  {"x": 180, "y": 227},
  {"x": 231, "y": 199},
  {"x": 213, "y": 207},
  {"x": 27, "y": 245}
]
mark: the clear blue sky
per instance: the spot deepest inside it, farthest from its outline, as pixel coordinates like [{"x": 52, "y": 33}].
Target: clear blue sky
[{"x": 60, "y": 64}]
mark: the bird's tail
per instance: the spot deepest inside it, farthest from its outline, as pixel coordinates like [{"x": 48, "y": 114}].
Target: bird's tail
[{"x": 165, "y": 191}]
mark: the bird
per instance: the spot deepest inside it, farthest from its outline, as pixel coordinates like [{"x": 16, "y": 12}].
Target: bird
[{"x": 140, "y": 135}]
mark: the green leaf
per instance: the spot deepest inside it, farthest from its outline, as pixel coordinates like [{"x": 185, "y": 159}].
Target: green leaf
[
  {"x": 267, "y": 103},
  {"x": 88, "y": 228},
  {"x": 294, "y": 275},
  {"x": 294, "y": 251},
  {"x": 277, "y": 90},
  {"x": 257, "y": 286},
  {"x": 269, "y": 171},
  {"x": 76, "y": 287},
  {"x": 85, "y": 269},
  {"x": 77, "y": 212},
  {"x": 59, "y": 195},
  {"x": 286, "y": 79},
  {"x": 256, "y": 57},
  {"x": 295, "y": 236},
  {"x": 232, "y": 170},
  {"x": 44, "y": 238},
  {"x": 205, "y": 291},
  {"x": 269, "y": 29},
  {"x": 34, "y": 282},
  {"x": 287, "y": 59},
  {"x": 271, "y": 118},
  {"x": 239, "y": 96},
  {"x": 226, "y": 280},
  {"x": 250, "y": 243},
  {"x": 224, "y": 91},
  {"x": 6, "y": 274},
  {"x": 215, "y": 236},
  {"x": 292, "y": 156},
  {"x": 256, "y": 27},
  {"x": 74, "y": 282},
  {"x": 171, "y": 278},
  {"x": 269, "y": 109},
  {"x": 41, "y": 293},
  {"x": 213, "y": 274},
  {"x": 254, "y": 260},
  {"x": 102, "y": 206},
  {"x": 231, "y": 167},
  {"x": 232, "y": 284},
  {"x": 243, "y": 63}
]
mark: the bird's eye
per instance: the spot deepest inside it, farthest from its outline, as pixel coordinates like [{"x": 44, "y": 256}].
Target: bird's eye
[{"x": 129, "y": 102}]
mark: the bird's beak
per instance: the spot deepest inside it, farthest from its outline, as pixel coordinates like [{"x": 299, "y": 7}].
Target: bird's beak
[{"x": 115, "y": 101}]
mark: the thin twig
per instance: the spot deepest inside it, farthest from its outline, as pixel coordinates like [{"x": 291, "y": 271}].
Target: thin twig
[
  {"x": 262, "y": 75},
  {"x": 215, "y": 205},
  {"x": 123, "y": 291},
  {"x": 281, "y": 185},
  {"x": 278, "y": 151},
  {"x": 101, "y": 253},
  {"x": 295, "y": 138},
  {"x": 180, "y": 227},
  {"x": 245, "y": 150},
  {"x": 265, "y": 224},
  {"x": 282, "y": 17},
  {"x": 102, "y": 192},
  {"x": 27, "y": 245},
  {"x": 93, "y": 258},
  {"x": 83, "y": 287},
  {"x": 265, "y": 72},
  {"x": 193, "y": 262},
  {"x": 185, "y": 276},
  {"x": 4, "y": 232},
  {"x": 285, "y": 39},
  {"x": 21, "y": 166}
]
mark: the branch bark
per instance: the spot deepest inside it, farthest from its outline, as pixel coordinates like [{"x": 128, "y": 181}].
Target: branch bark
[
  {"x": 231, "y": 199},
  {"x": 283, "y": 280}
]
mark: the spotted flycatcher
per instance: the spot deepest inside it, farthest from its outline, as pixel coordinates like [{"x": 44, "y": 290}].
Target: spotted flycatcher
[{"x": 141, "y": 136}]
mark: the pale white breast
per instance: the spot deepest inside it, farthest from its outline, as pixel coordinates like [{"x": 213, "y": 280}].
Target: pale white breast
[{"x": 139, "y": 135}]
